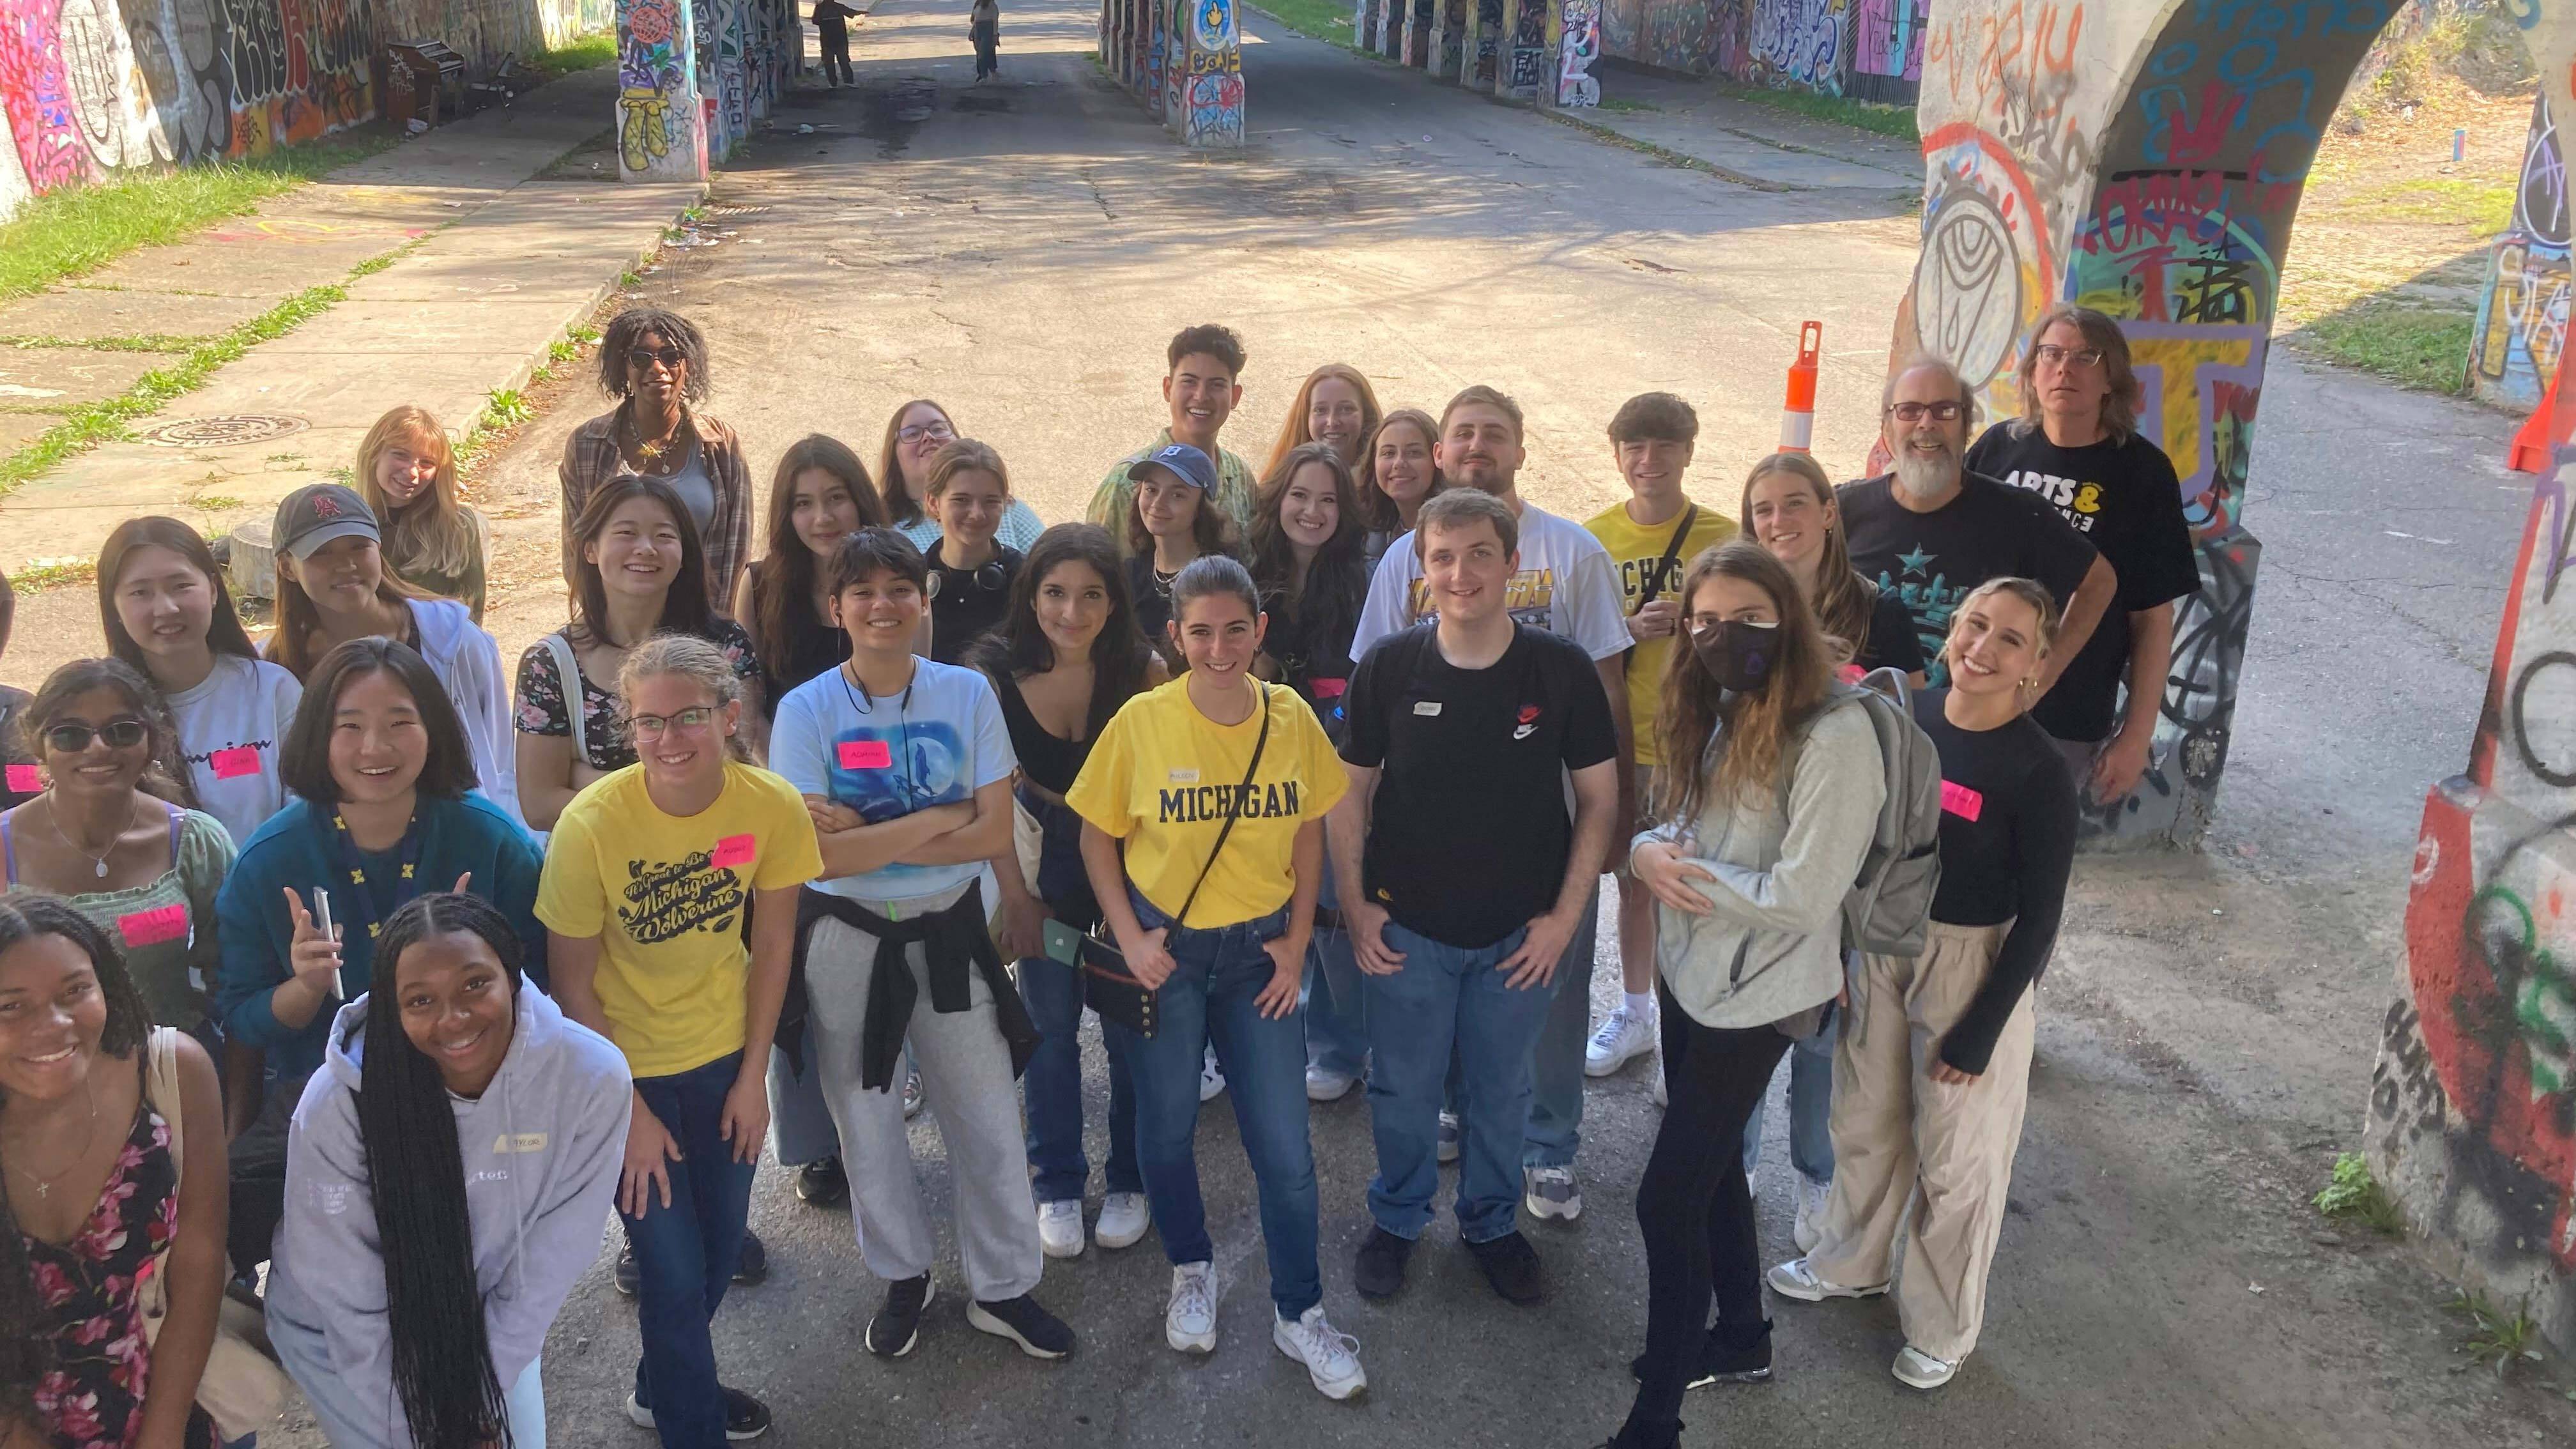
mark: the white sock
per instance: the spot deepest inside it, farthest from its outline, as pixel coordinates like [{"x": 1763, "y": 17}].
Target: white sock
[{"x": 1639, "y": 1004}]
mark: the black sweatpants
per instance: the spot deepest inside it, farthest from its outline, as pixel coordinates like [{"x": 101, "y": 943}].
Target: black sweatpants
[
  {"x": 836, "y": 59},
  {"x": 1696, "y": 1211}
]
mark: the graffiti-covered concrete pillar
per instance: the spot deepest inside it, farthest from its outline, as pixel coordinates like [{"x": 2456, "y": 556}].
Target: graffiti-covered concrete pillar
[
  {"x": 660, "y": 134},
  {"x": 2522, "y": 313},
  {"x": 1207, "y": 109},
  {"x": 1445, "y": 53},
  {"x": 1578, "y": 45},
  {"x": 1527, "y": 67}
]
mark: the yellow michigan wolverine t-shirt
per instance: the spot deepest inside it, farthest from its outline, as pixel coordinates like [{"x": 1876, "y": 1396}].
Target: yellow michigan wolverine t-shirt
[
  {"x": 1163, "y": 777},
  {"x": 665, "y": 895},
  {"x": 1634, "y": 552}
]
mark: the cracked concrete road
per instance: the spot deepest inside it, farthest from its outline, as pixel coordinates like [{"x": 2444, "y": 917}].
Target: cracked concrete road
[{"x": 1022, "y": 250}]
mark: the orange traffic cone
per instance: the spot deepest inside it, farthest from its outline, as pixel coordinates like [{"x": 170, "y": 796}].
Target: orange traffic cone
[{"x": 1798, "y": 413}]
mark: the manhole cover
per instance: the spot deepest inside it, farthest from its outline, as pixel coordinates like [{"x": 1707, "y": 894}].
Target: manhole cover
[{"x": 223, "y": 431}]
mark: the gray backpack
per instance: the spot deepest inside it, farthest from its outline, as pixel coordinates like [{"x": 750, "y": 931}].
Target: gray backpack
[{"x": 1890, "y": 902}]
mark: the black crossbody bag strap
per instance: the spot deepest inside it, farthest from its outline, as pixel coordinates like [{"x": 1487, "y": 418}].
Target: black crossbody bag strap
[
  {"x": 1672, "y": 551},
  {"x": 1259, "y": 744}
]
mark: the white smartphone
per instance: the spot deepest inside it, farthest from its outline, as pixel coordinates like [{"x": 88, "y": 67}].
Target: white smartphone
[{"x": 322, "y": 922}]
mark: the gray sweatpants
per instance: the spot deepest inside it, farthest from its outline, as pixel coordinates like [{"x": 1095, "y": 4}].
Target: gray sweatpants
[{"x": 966, "y": 1075}]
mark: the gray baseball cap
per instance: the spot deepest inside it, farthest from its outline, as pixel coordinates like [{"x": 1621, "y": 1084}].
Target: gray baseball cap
[
  {"x": 317, "y": 513},
  {"x": 1181, "y": 461}
]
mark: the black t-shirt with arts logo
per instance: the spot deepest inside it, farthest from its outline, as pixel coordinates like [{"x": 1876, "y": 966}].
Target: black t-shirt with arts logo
[
  {"x": 2126, "y": 501},
  {"x": 1469, "y": 831},
  {"x": 1931, "y": 561}
]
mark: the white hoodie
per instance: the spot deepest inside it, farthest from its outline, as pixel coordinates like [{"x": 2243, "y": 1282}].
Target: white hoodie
[
  {"x": 542, "y": 1149},
  {"x": 467, "y": 661}
]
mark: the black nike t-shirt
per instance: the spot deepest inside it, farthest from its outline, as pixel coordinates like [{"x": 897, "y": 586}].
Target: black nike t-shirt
[
  {"x": 2126, "y": 502},
  {"x": 1468, "y": 830},
  {"x": 1932, "y": 561}
]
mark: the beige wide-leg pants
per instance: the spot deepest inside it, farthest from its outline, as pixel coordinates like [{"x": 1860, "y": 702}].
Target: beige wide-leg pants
[{"x": 1913, "y": 1155}]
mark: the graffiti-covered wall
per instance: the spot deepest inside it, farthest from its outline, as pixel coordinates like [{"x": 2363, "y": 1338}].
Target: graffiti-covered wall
[
  {"x": 2522, "y": 314},
  {"x": 89, "y": 88},
  {"x": 1869, "y": 49}
]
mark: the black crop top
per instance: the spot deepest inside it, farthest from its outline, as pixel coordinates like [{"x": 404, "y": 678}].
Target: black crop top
[{"x": 1048, "y": 760}]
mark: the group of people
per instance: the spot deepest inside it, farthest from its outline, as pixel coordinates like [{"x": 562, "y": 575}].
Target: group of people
[{"x": 1299, "y": 780}]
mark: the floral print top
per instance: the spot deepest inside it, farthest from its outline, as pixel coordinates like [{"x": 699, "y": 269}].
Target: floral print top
[
  {"x": 93, "y": 1395},
  {"x": 541, "y": 709}
]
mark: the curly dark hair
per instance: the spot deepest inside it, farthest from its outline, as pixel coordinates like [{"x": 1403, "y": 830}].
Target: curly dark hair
[
  {"x": 442, "y": 1358},
  {"x": 679, "y": 331},
  {"x": 26, "y": 1344}
]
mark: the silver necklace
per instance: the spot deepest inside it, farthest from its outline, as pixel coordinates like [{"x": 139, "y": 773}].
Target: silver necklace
[
  {"x": 45, "y": 1185},
  {"x": 99, "y": 859}
]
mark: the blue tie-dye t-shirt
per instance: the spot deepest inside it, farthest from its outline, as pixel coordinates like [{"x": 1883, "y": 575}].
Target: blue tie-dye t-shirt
[{"x": 887, "y": 756}]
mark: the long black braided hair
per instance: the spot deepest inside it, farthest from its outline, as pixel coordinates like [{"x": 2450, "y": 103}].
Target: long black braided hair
[
  {"x": 442, "y": 1365},
  {"x": 26, "y": 1344}
]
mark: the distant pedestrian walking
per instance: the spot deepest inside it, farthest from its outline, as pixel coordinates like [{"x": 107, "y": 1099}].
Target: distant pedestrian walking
[
  {"x": 832, "y": 25},
  {"x": 984, "y": 27}
]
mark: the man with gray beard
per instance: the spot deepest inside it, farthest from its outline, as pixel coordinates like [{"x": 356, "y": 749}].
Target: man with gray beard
[{"x": 1929, "y": 531}]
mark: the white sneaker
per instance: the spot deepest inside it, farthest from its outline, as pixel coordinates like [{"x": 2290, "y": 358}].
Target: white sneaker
[
  {"x": 1919, "y": 1370},
  {"x": 1123, "y": 1219},
  {"x": 1060, "y": 1228},
  {"x": 1331, "y": 1357},
  {"x": 1794, "y": 1279},
  {"x": 1211, "y": 1081},
  {"x": 1189, "y": 1320},
  {"x": 1549, "y": 1192},
  {"x": 1323, "y": 1084},
  {"x": 1452, "y": 1137},
  {"x": 912, "y": 1096},
  {"x": 1809, "y": 1198},
  {"x": 1623, "y": 1038}
]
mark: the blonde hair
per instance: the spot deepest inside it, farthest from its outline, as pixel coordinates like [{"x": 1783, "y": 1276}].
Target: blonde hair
[
  {"x": 1293, "y": 433},
  {"x": 965, "y": 455},
  {"x": 2029, "y": 591},
  {"x": 436, "y": 533},
  {"x": 1844, "y": 600},
  {"x": 688, "y": 657}
]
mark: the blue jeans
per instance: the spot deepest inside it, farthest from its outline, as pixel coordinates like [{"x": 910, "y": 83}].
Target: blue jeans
[
  {"x": 1052, "y": 1088},
  {"x": 1336, "y": 1005},
  {"x": 1556, "y": 1062},
  {"x": 1449, "y": 996},
  {"x": 685, "y": 1255},
  {"x": 1209, "y": 998},
  {"x": 1811, "y": 1100}
]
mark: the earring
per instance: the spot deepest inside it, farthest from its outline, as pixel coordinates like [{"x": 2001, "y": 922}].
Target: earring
[{"x": 2030, "y": 681}]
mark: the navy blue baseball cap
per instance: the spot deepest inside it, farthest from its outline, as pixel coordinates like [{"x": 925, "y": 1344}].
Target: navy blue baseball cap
[{"x": 1181, "y": 461}]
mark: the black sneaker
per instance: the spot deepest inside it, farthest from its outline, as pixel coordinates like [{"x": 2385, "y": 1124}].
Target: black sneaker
[
  {"x": 823, "y": 1183},
  {"x": 1744, "y": 1366},
  {"x": 1039, "y": 1334},
  {"x": 1379, "y": 1273},
  {"x": 1511, "y": 1265},
  {"x": 897, "y": 1326},
  {"x": 745, "y": 1416},
  {"x": 753, "y": 1266},
  {"x": 627, "y": 1275}
]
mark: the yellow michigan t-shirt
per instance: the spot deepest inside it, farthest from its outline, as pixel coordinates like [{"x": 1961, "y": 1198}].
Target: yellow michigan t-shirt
[
  {"x": 1163, "y": 777},
  {"x": 1634, "y": 552},
  {"x": 665, "y": 895}
]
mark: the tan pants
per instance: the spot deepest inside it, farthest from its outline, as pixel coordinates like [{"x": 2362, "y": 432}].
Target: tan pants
[{"x": 1914, "y": 1154}]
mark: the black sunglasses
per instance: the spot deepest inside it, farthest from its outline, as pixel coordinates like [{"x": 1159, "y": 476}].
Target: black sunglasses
[
  {"x": 120, "y": 734},
  {"x": 646, "y": 356}
]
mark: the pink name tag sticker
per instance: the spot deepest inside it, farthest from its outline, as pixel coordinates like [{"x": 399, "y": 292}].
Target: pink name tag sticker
[
  {"x": 1961, "y": 801},
  {"x": 236, "y": 762},
  {"x": 1330, "y": 688},
  {"x": 731, "y": 851},
  {"x": 24, "y": 780},
  {"x": 1852, "y": 673},
  {"x": 866, "y": 755},
  {"x": 152, "y": 927}
]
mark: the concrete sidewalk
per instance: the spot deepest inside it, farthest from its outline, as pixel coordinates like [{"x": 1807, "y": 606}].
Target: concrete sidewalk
[
  {"x": 1747, "y": 141},
  {"x": 507, "y": 232}
]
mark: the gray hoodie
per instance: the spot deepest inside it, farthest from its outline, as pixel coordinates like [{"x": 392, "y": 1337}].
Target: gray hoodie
[
  {"x": 1773, "y": 946},
  {"x": 542, "y": 1149}
]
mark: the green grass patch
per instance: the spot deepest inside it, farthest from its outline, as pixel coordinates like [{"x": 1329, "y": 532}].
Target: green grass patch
[
  {"x": 2485, "y": 207},
  {"x": 2496, "y": 1338},
  {"x": 2356, "y": 1196},
  {"x": 82, "y": 228},
  {"x": 1615, "y": 104},
  {"x": 1897, "y": 121},
  {"x": 103, "y": 421},
  {"x": 1320, "y": 19},
  {"x": 587, "y": 53},
  {"x": 39, "y": 574},
  {"x": 2418, "y": 347}
]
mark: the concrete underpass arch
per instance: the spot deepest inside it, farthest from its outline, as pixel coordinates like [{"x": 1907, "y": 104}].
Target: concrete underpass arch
[{"x": 2149, "y": 160}]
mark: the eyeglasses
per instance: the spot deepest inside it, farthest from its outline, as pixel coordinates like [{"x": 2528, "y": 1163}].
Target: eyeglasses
[
  {"x": 1914, "y": 412},
  {"x": 120, "y": 734},
  {"x": 654, "y": 726},
  {"x": 2052, "y": 354},
  {"x": 919, "y": 431},
  {"x": 666, "y": 355}
]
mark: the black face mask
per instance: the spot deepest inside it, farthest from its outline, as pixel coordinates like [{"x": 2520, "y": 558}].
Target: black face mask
[{"x": 1738, "y": 653}]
